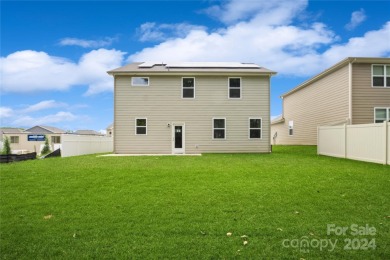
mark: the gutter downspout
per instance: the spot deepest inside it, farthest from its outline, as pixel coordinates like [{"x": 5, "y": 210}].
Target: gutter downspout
[{"x": 350, "y": 91}]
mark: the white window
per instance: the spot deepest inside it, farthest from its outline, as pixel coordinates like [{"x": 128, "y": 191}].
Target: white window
[
  {"x": 381, "y": 76},
  {"x": 56, "y": 139},
  {"x": 140, "y": 81},
  {"x": 219, "y": 128},
  {"x": 140, "y": 126},
  {"x": 382, "y": 114},
  {"x": 291, "y": 127},
  {"x": 14, "y": 139},
  {"x": 255, "y": 128},
  {"x": 234, "y": 87},
  {"x": 188, "y": 87}
]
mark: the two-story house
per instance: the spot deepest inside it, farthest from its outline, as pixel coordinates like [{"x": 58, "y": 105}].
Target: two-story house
[
  {"x": 353, "y": 91},
  {"x": 191, "y": 108}
]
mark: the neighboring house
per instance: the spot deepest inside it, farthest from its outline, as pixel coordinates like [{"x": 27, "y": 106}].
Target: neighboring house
[
  {"x": 110, "y": 130},
  {"x": 191, "y": 108},
  {"x": 32, "y": 139},
  {"x": 11, "y": 133},
  {"x": 354, "y": 91},
  {"x": 87, "y": 132}
]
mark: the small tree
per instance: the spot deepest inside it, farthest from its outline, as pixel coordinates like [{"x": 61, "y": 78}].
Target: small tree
[
  {"x": 46, "y": 147},
  {"x": 6, "y": 146}
]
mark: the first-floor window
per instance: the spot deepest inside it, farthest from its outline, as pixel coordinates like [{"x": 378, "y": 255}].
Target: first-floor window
[
  {"x": 382, "y": 114},
  {"x": 291, "y": 127},
  {"x": 56, "y": 139},
  {"x": 219, "y": 128},
  {"x": 140, "y": 126},
  {"x": 14, "y": 139},
  {"x": 254, "y": 128}
]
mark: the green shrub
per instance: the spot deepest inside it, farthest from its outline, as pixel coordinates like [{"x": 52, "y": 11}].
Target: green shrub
[
  {"x": 6, "y": 146},
  {"x": 46, "y": 147}
]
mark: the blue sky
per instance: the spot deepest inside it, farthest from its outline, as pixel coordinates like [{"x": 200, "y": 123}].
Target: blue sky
[{"x": 54, "y": 55}]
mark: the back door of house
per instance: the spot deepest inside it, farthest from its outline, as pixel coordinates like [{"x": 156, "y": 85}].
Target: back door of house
[{"x": 178, "y": 139}]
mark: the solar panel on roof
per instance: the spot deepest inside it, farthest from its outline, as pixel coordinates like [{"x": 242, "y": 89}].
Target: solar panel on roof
[
  {"x": 199, "y": 65},
  {"x": 211, "y": 65},
  {"x": 150, "y": 64}
]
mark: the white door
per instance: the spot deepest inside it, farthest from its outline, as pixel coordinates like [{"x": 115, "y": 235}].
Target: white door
[{"x": 178, "y": 139}]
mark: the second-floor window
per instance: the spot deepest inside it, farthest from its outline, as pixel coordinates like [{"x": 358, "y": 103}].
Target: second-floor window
[
  {"x": 382, "y": 114},
  {"x": 234, "y": 87},
  {"x": 381, "y": 76},
  {"x": 140, "y": 81},
  {"x": 188, "y": 85}
]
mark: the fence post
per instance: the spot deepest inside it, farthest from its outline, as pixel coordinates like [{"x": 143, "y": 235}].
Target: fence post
[
  {"x": 345, "y": 141},
  {"x": 386, "y": 149},
  {"x": 318, "y": 140}
]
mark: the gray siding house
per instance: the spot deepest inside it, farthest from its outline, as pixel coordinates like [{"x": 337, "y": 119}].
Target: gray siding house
[
  {"x": 353, "y": 91},
  {"x": 191, "y": 108}
]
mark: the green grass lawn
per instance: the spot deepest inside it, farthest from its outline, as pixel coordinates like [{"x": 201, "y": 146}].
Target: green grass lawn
[{"x": 183, "y": 207}]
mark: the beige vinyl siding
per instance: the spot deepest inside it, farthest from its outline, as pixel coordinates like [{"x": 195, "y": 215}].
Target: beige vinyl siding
[
  {"x": 281, "y": 130},
  {"x": 323, "y": 102},
  {"x": 162, "y": 104},
  {"x": 365, "y": 97}
]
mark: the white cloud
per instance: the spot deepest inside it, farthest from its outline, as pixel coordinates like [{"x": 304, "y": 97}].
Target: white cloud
[
  {"x": 46, "y": 104},
  {"x": 87, "y": 43},
  {"x": 59, "y": 117},
  {"x": 268, "y": 37},
  {"x": 371, "y": 44},
  {"x": 5, "y": 112},
  {"x": 357, "y": 18},
  {"x": 161, "y": 32},
  {"x": 268, "y": 12},
  {"x": 30, "y": 71},
  {"x": 46, "y": 112}
]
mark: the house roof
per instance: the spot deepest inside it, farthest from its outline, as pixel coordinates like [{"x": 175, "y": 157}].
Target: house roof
[
  {"x": 336, "y": 67},
  {"x": 11, "y": 130},
  {"x": 277, "y": 120},
  {"x": 45, "y": 129},
  {"x": 87, "y": 132},
  {"x": 193, "y": 67}
]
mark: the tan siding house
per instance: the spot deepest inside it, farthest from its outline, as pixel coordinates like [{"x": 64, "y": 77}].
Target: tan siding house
[
  {"x": 30, "y": 140},
  {"x": 354, "y": 91},
  {"x": 191, "y": 108}
]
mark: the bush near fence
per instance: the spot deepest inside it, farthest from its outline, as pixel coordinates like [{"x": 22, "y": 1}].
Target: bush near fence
[{"x": 368, "y": 142}]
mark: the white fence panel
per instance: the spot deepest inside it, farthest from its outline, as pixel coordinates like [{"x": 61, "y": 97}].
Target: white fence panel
[
  {"x": 369, "y": 142},
  {"x": 331, "y": 141},
  {"x": 388, "y": 143},
  {"x": 366, "y": 143},
  {"x": 73, "y": 145}
]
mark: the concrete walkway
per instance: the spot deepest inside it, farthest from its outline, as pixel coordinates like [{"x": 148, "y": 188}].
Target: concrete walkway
[{"x": 113, "y": 154}]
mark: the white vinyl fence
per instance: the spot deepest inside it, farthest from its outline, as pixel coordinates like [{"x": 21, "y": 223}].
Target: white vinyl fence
[
  {"x": 369, "y": 142},
  {"x": 73, "y": 145}
]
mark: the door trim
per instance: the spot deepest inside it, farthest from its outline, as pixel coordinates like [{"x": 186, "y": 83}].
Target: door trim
[{"x": 178, "y": 150}]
